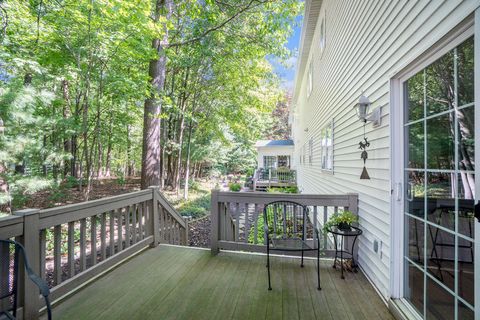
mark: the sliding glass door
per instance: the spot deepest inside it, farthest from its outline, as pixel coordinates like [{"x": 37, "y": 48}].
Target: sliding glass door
[{"x": 439, "y": 178}]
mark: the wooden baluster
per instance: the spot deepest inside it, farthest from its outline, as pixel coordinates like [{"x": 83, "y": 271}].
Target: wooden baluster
[
  {"x": 247, "y": 222},
  {"x": 256, "y": 216},
  {"x": 111, "y": 231},
  {"x": 83, "y": 245},
  {"x": 93, "y": 240},
  {"x": 169, "y": 226},
  {"x": 119, "y": 230},
  {"x": 5, "y": 273},
  {"x": 140, "y": 221},
  {"x": 162, "y": 224},
  {"x": 43, "y": 250},
  {"x": 57, "y": 254},
  {"x": 147, "y": 214},
  {"x": 134, "y": 223},
  {"x": 175, "y": 232},
  {"x": 237, "y": 222},
  {"x": 223, "y": 220},
  {"x": 178, "y": 233},
  {"x": 172, "y": 230},
  {"x": 127, "y": 227},
  {"x": 103, "y": 236},
  {"x": 71, "y": 249}
]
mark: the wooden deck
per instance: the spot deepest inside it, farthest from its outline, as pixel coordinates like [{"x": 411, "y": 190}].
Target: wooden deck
[{"x": 171, "y": 282}]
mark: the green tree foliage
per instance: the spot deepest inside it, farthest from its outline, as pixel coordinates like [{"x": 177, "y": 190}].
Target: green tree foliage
[{"x": 76, "y": 75}]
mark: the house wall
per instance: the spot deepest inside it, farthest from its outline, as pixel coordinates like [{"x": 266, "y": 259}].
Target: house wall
[
  {"x": 367, "y": 42},
  {"x": 275, "y": 151}
]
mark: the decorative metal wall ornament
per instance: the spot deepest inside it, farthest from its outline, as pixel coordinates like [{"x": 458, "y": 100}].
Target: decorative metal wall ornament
[{"x": 363, "y": 145}]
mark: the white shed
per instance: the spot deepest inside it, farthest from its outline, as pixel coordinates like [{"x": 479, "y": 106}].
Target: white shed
[{"x": 274, "y": 154}]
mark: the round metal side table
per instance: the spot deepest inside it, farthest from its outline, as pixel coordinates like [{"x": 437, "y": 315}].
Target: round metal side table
[{"x": 344, "y": 233}]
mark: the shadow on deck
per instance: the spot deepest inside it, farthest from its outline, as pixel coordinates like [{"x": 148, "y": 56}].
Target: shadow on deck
[{"x": 171, "y": 282}]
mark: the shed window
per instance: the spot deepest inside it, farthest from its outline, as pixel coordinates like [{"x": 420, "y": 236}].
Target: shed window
[
  {"x": 284, "y": 161},
  {"x": 269, "y": 162}
]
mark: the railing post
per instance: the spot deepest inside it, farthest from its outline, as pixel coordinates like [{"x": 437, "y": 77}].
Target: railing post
[
  {"x": 214, "y": 216},
  {"x": 353, "y": 207},
  {"x": 185, "y": 235},
  {"x": 353, "y": 203},
  {"x": 29, "y": 292},
  {"x": 154, "y": 223}
]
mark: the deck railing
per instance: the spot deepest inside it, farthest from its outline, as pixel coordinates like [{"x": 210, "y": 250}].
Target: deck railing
[
  {"x": 236, "y": 217},
  {"x": 276, "y": 175},
  {"x": 70, "y": 245}
]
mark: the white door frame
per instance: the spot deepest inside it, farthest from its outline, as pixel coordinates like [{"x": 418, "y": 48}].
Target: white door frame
[
  {"x": 462, "y": 32},
  {"x": 477, "y": 159}
]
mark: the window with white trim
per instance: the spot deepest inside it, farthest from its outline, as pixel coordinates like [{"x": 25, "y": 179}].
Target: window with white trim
[
  {"x": 326, "y": 147},
  {"x": 322, "y": 40},
  {"x": 310, "y": 79}
]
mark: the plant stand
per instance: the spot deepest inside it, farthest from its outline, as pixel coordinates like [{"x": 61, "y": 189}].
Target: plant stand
[{"x": 342, "y": 234}]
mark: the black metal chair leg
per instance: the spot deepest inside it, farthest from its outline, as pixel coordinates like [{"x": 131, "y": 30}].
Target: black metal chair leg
[
  {"x": 318, "y": 269},
  {"x": 268, "y": 268},
  {"x": 302, "y": 260}
]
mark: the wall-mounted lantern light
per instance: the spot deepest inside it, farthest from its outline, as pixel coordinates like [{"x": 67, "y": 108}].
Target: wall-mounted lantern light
[{"x": 362, "y": 108}]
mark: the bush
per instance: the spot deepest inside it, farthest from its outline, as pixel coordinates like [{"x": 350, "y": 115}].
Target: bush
[
  {"x": 71, "y": 182},
  {"x": 57, "y": 195},
  {"x": 292, "y": 189},
  {"x": 121, "y": 181},
  {"x": 235, "y": 187},
  {"x": 196, "y": 208},
  {"x": 193, "y": 185}
]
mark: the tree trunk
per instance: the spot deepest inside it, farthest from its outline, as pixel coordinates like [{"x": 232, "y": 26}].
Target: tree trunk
[
  {"x": 187, "y": 164},
  {"x": 153, "y": 105},
  {"x": 67, "y": 142}
]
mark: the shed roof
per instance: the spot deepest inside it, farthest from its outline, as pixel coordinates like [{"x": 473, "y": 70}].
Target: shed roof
[{"x": 273, "y": 143}]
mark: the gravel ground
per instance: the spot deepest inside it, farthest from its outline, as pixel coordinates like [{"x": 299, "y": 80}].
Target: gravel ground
[{"x": 199, "y": 233}]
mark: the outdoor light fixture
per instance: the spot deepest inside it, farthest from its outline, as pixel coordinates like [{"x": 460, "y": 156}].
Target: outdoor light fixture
[{"x": 362, "y": 108}]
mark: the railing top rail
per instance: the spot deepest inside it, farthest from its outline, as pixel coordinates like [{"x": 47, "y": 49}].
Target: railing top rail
[
  {"x": 9, "y": 220},
  {"x": 64, "y": 214},
  {"x": 335, "y": 200},
  {"x": 11, "y": 226}
]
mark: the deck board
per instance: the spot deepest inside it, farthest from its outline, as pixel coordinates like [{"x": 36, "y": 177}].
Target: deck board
[{"x": 171, "y": 282}]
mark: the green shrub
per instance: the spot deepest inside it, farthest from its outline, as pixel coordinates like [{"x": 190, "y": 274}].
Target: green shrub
[
  {"x": 57, "y": 195},
  {"x": 235, "y": 187},
  {"x": 292, "y": 189},
  {"x": 195, "y": 208},
  {"x": 193, "y": 185},
  {"x": 121, "y": 181},
  {"x": 71, "y": 182},
  {"x": 19, "y": 200}
]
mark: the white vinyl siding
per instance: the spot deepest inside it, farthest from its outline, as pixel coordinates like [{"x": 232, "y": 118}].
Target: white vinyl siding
[{"x": 368, "y": 43}]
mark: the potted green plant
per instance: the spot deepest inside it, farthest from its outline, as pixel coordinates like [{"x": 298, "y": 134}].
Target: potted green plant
[{"x": 343, "y": 220}]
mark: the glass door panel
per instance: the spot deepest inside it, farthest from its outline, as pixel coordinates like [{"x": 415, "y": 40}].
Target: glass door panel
[{"x": 439, "y": 179}]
